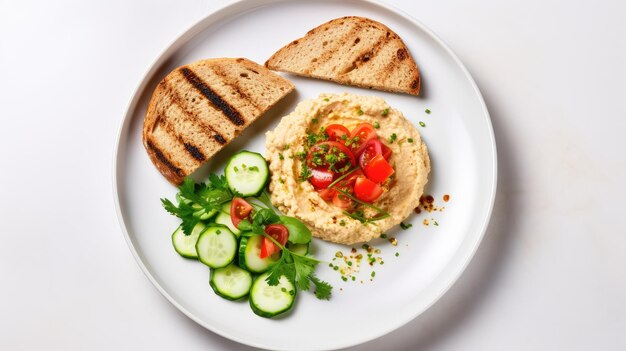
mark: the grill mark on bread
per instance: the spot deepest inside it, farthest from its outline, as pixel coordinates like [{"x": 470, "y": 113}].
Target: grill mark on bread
[
  {"x": 370, "y": 53},
  {"x": 192, "y": 117},
  {"x": 194, "y": 152},
  {"x": 215, "y": 99},
  {"x": 233, "y": 84},
  {"x": 330, "y": 50},
  {"x": 164, "y": 160}
]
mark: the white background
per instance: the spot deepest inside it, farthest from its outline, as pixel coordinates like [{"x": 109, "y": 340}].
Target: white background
[{"x": 548, "y": 275}]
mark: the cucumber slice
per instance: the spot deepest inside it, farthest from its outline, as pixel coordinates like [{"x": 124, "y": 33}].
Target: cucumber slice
[
  {"x": 216, "y": 246},
  {"x": 223, "y": 218},
  {"x": 269, "y": 301},
  {"x": 201, "y": 212},
  {"x": 249, "y": 250},
  {"x": 246, "y": 173},
  {"x": 231, "y": 282},
  {"x": 185, "y": 245},
  {"x": 300, "y": 249}
]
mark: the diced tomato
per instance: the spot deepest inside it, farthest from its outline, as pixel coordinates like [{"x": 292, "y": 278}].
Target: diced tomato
[
  {"x": 330, "y": 147},
  {"x": 239, "y": 209},
  {"x": 365, "y": 132},
  {"x": 342, "y": 201},
  {"x": 335, "y": 132},
  {"x": 372, "y": 148},
  {"x": 378, "y": 169},
  {"x": 386, "y": 152},
  {"x": 321, "y": 177},
  {"x": 366, "y": 190},
  {"x": 327, "y": 194},
  {"x": 280, "y": 233}
]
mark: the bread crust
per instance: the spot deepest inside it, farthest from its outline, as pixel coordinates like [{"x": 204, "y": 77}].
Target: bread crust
[
  {"x": 354, "y": 51},
  {"x": 197, "y": 109}
]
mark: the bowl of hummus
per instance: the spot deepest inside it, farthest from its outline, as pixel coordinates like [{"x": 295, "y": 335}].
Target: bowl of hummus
[{"x": 349, "y": 166}]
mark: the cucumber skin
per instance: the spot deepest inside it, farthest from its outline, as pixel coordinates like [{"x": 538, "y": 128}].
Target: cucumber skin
[
  {"x": 218, "y": 293},
  {"x": 191, "y": 257},
  {"x": 218, "y": 226},
  {"x": 241, "y": 257},
  {"x": 266, "y": 178},
  {"x": 264, "y": 314}
]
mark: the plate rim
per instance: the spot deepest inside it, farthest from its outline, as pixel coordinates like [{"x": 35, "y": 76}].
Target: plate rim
[{"x": 247, "y": 5}]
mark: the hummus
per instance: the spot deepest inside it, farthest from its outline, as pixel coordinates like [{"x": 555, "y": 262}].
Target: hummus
[{"x": 298, "y": 198}]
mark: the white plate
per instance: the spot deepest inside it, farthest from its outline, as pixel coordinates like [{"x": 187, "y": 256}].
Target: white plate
[{"x": 462, "y": 149}]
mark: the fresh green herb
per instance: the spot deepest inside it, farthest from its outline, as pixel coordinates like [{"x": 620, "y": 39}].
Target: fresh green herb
[
  {"x": 410, "y": 140},
  {"x": 392, "y": 138},
  {"x": 385, "y": 112},
  {"x": 435, "y": 223},
  {"x": 376, "y": 125},
  {"x": 353, "y": 278},
  {"x": 405, "y": 226},
  {"x": 209, "y": 197},
  {"x": 299, "y": 270},
  {"x": 397, "y": 254},
  {"x": 326, "y": 99},
  {"x": 341, "y": 178},
  {"x": 383, "y": 235},
  {"x": 359, "y": 112},
  {"x": 427, "y": 111},
  {"x": 286, "y": 147},
  {"x": 301, "y": 155},
  {"x": 342, "y": 223},
  {"x": 422, "y": 124},
  {"x": 281, "y": 180},
  {"x": 281, "y": 157},
  {"x": 373, "y": 274},
  {"x": 314, "y": 120},
  {"x": 305, "y": 172}
]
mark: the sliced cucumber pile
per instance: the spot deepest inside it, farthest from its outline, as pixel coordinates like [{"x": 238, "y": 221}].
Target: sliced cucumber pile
[
  {"x": 269, "y": 301},
  {"x": 247, "y": 173},
  {"x": 235, "y": 256},
  {"x": 231, "y": 282}
]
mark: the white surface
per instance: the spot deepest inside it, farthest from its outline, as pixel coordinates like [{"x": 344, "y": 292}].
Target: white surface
[
  {"x": 461, "y": 146},
  {"x": 549, "y": 275}
]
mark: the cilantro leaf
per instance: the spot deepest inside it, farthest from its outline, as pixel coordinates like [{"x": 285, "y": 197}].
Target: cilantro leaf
[
  {"x": 218, "y": 182},
  {"x": 323, "y": 290},
  {"x": 304, "y": 268},
  {"x": 184, "y": 212}
]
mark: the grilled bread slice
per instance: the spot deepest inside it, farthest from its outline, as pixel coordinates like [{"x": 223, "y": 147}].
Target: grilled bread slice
[
  {"x": 353, "y": 51},
  {"x": 199, "y": 108}
]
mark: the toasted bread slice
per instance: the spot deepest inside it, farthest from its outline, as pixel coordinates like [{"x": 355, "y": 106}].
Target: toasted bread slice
[
  {"x": 353, "y": 51},
  {"x": 199, "y": 108}
]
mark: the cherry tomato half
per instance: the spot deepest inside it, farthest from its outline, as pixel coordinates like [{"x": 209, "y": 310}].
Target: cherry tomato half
[
  {"x": 327, "y": 194},
  {"x": 342, "y": 201},
  {"x": 366, "y": 190},
  {"x": 378, "y": 169},
  {"x": 336, "y": 131},
  {"x": 280, "y": 233},
  {"x": 372, "y": 148},
  {"x": 365, "y": 132},
  {"x": 327, "y": 148},
  {"x": 239, "y": 209},
  {"x": 321, "y": 177}
]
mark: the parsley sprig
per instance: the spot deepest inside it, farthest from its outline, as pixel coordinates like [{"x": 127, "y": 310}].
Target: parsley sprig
[
  {"x": 195, "y": 199},
  {"x": 299, "y": 269}
]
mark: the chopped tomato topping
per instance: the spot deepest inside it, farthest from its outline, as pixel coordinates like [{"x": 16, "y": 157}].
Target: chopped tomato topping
[
  {"x": 365, "y": 132},
  {"x": 239, "y": 209},
  {"x": 321, "y": 177},
  {"x": 280, "y": 233},
  {"x": 366, "y": 190},
  {"x": 378, "y": 169},
  {"x": 336, "y": 132},
  {"x": 330, "y": 154}
]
